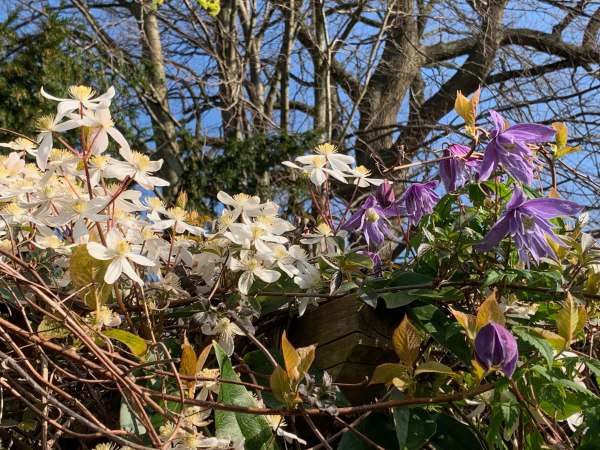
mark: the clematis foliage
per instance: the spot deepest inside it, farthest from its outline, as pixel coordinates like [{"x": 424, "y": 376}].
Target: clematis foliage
[{"x": 453, "y": 307}]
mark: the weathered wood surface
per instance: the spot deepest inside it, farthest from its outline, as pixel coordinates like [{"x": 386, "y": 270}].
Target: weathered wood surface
[{"x": 351, "y": 337}]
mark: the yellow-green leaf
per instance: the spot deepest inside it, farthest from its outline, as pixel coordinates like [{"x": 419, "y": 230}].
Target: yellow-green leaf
[
  {"x": 291, "y": 358},
  {"x": 559, "y": 153},
  {"x": 490, "y": 311},
  {"x": 400, "y": 383},
  {"x": 467, "y": 108},
  {"x": 282, "y": 388},
  {"x": 188, "y": 364},
  {"x": 562, "y": 134},
  {"x": 467, "y": 321},
  {"x": 570, "y": 320},
  {"x": 433, "y": 367},
  {"x": 135, "y": 343},
  {"x": 406, "y": 342},
  {"x": 555, "y": 340},
  {"x": 87, "y": 276},
  {"x": 202, "y": 357},
  {"x": 52, "y": 329},
  {"x": 385, "y": 373},
  {"x": 307, "y": 357},
  {"x": 478, "y": 371},
  {"x": 212, "y": 7}
]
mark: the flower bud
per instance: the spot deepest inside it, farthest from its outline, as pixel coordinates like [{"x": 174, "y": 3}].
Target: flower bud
[
  {"x": 496, "y": 347},
  {"x": 385, "y": 194}
]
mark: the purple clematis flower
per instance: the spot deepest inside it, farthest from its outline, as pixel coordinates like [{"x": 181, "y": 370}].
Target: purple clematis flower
[
  {"x": 386, "y": 198},
  {"x": 377, "y": 263},
  {"x": 453, "y": 169},
  {"x": 496, "y": 347},
  {"x": 508, "y": 148},
  {"x": 419, "y": 200},
  {"x": 371, "y": 220},
  {"x": 527, "y": 222}
]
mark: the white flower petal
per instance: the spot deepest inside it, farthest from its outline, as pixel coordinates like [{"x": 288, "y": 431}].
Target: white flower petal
[
  {"x": 267, "y": 275},
  {"x": 317, "y": 176},
  {"x": 139, "y": 259},
  {"x": 245, "y": 282},
  {"x": 118, "y": 137},
  {"x": 130, "y": 271},
  {"x": 99, "y": 251},
  {"x": 114, "y": 270}
]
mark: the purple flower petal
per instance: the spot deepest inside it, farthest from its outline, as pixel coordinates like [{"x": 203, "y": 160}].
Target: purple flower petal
[
  {"x": 517, "y": 199},
  {"x": 490, "y": 161},
  {"x": 548, "y": 208},
  {"x": 495, "y": 346},
  {"x": 499, "y": 122},
  {"x": 530, "y": 133},
  {"x": 494, "y": 236}
]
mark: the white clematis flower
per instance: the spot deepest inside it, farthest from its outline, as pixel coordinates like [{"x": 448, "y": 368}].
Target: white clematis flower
[
  {"x": 308, "y": 280},
  {"x": 244, "y": 204},
  {"x": 136, "y": 166},
  {"x": 80, "y": 95},
  {"x": 337, "y": 161},
  {"x": 20, "y": 145},
  {"x": 361, "y": 177},
  {"x": 251, "y": 267},
  {"x": 176, "y": 219},
  {"x": 226, "y": 330},
  {"x": 102, "y": 125},
  {"x": 47, "y": 125},
  {"x": 119, "y": 252},
  {"x": 315, "y": 166}
]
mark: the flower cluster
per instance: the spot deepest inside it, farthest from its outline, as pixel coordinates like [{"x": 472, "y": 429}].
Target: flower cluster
[{"x": 326, "y": 162}]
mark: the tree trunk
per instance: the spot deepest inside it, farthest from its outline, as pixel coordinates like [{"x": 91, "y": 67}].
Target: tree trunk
[
  {"x": 400, "y": 62},
  {"x": 163, "y": 124}
]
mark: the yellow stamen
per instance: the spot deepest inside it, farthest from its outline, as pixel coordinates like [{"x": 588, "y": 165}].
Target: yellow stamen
[{"x": 81, "y": 93}]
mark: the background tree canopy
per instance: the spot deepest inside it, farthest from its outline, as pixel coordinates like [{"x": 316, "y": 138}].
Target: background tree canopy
[{"x": 379, "y": 77}]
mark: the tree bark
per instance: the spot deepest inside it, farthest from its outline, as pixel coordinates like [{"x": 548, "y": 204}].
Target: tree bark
[
  {"x": 400, "y": 62},
  {"x": 163, "y": 123}
]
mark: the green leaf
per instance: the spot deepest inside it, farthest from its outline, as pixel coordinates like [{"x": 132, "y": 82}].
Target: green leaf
[
  {"x": 52, "y": 329},
  {"x": 135, "y": 343},
  {"x": 386, "y": 372},
  {"x": 378, "y": 427},
  {"x": 556, "y": 341},
  {"x": 453, "y": 434},
  {"x": 253, "y": 430},
  {"x": 476, "y": 194},
  {"x": 414, "y": 426},
  {"x": 397, "y": 299},
  {"x": 433, "y": 367},
  {"x": 533, "y": 339},
  {"x": 444, "y": 329}
]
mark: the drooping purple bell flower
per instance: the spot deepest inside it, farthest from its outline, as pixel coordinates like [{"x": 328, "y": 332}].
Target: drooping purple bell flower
[
  {"x": 508, "y": 148},
  {"x": 496, "y": 347},
  {"x": 419, "y": 200},
  {"x": 371, "y": 220},
  {"x": 453, "y": 169},
  {"x": 386, "y": 197},
  {"x": 527, "y": 222}
]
